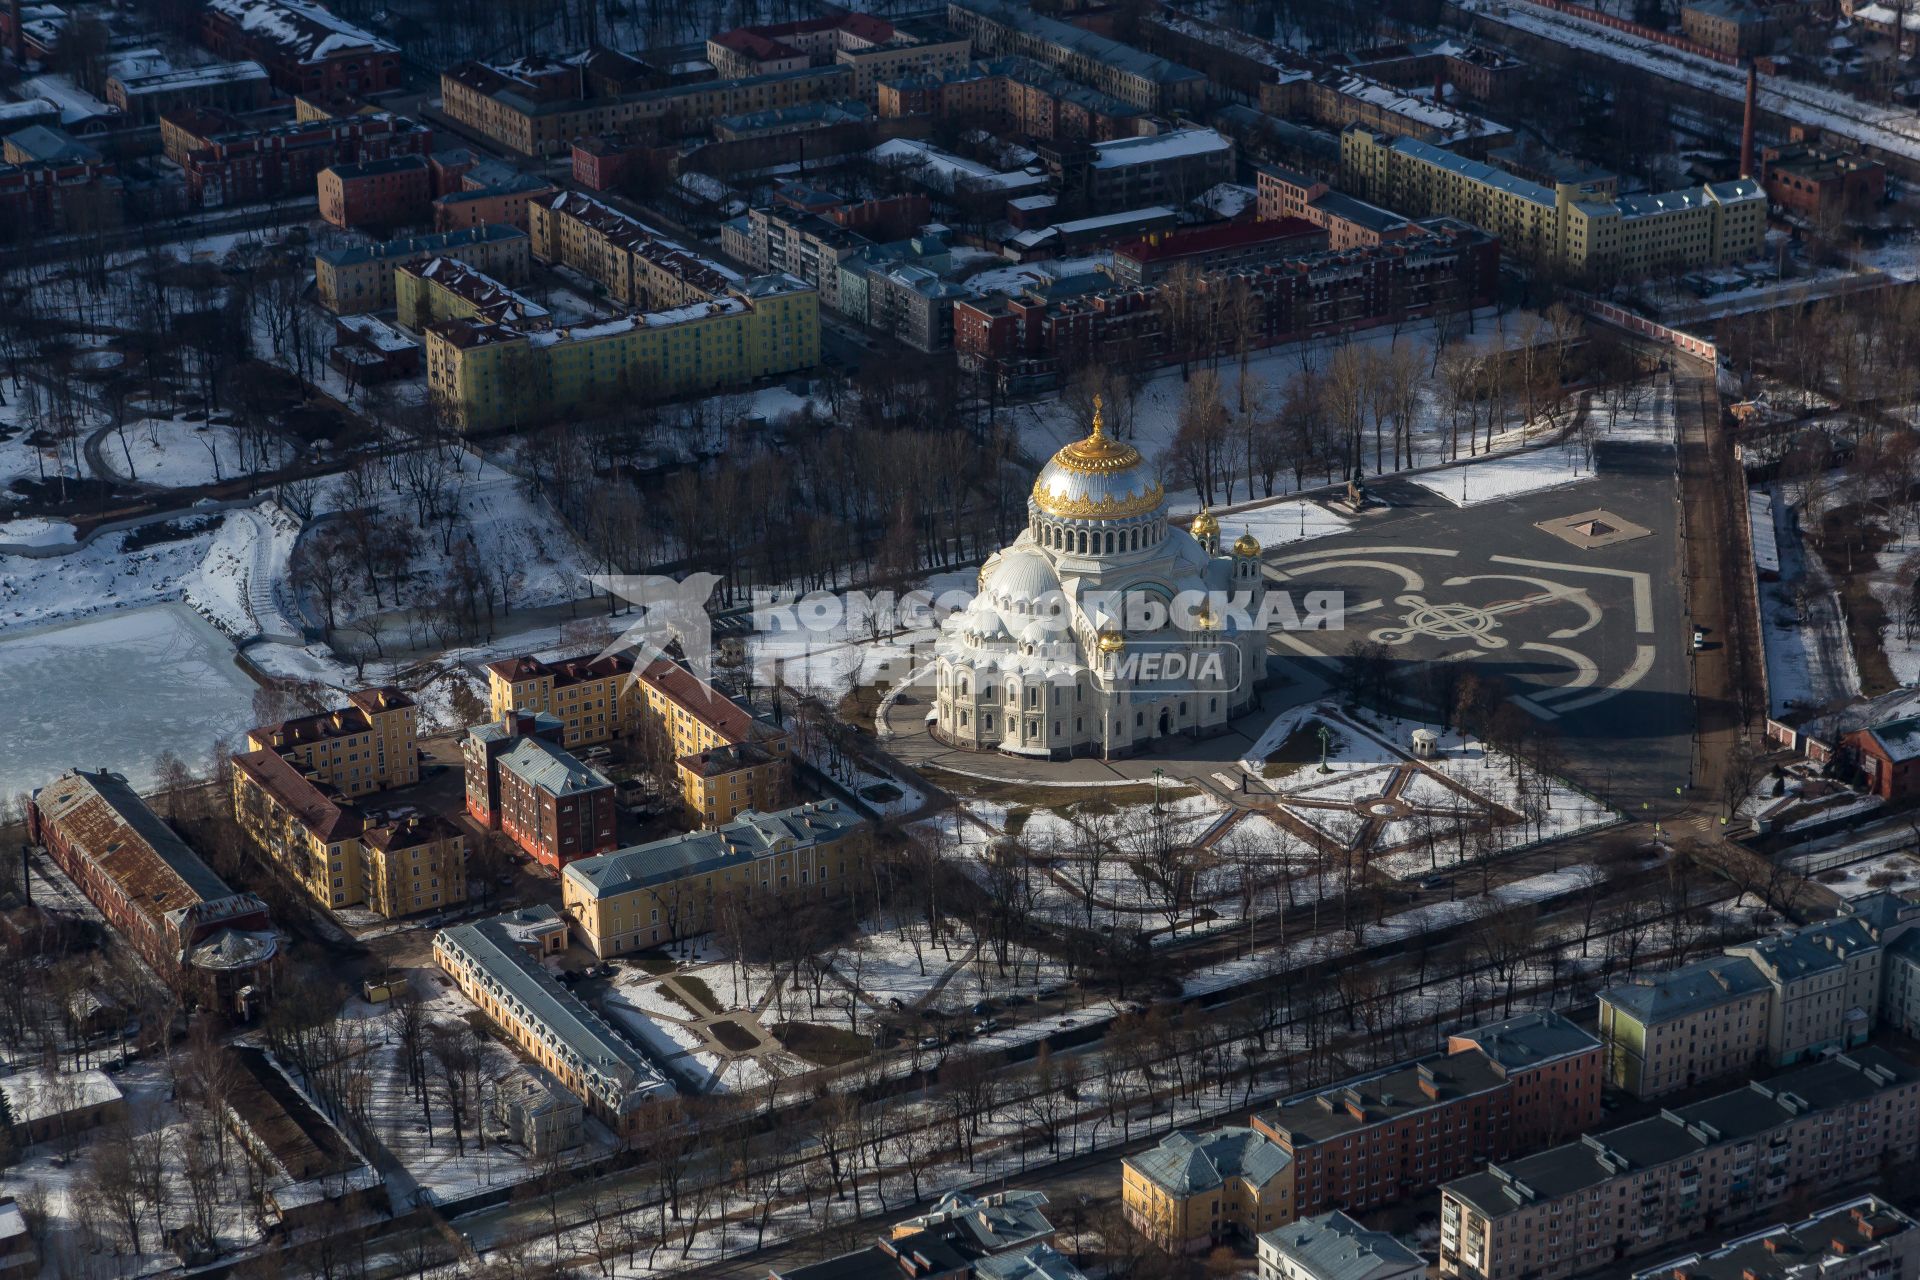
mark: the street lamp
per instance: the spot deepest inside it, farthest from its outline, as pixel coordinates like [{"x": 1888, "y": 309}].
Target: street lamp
[{"x": 1157, "y": 775}]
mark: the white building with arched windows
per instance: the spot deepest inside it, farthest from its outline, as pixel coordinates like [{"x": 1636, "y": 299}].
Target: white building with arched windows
[{"x": 1102, "y": 627}]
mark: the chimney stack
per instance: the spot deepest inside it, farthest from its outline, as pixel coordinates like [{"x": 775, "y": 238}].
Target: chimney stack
[{"x": 1746, "y": 127}]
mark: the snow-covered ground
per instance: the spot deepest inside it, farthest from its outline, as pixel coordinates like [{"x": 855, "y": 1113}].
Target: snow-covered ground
[
  {"x": 218, "y": 568},
  {"x": 488, "y": 510},
  {"x": 1809, "y": 653},
  {"x": 113, "y": 692},
  {"x": 176, "y": 453},
  {"x": 429, "y": 1154},
  {"x": 157, "y": 1124},
  {"x": 36, "y": 531},
  {"x": 1151, "y": 421},
  {"x": 1510, "y": 475},
  {"x": 1897, "y": 872},
  {"x": 1275, "y": 524}
]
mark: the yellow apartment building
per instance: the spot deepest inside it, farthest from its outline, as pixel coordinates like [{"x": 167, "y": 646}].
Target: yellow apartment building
[
  {"x": 392, "y": 864},
  {"x": 368, "y": 745},
  {"x": 653, "y": 894},
  {"x": 1196, "y": 1190},
  {"x": 449, "y": 289},
  {"x": 360, "y": 278},
  {"x": 487, "y": 376},
  {"x": 726, "y": 761},
  {"x": 639, "y": 265},
  {"x": 1566, "y": 226}
]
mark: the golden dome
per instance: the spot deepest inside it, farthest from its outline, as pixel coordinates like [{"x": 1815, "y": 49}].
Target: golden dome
[
  {"x": 1205, "y": 524},
  {"x": 1097, "y": 478},
  {"x": 1204, "y": 620},
  {"x": 1112, "y": 641},
  {"x": 1246, "y": 545}
]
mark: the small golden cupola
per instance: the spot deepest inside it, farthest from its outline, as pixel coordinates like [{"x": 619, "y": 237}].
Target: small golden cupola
[
  {"x": 1246, "y": 544},
  {"x": 1206, "y": 530}
]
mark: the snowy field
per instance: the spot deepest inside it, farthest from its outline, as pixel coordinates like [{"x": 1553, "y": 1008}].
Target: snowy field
[
  {"x": 224, "y": 567},
  {"x": 429, "y": 1154},
  {"x": 36, "y": 531},
  {"x": 1278, "y": 523},
  {"x": 112, "y": 692},
  {"x": 175, "y": 453}
]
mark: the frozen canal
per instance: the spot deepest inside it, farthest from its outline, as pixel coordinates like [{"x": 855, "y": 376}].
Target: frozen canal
[{"x": 113, "y": 692}]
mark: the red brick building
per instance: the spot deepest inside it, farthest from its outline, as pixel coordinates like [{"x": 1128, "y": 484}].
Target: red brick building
[
  {"x": 521, "y": 782},
  {"x": 486, "y": 743},
  {"x": 1889, "y": 756},
  {"x": 51, "y": 197},
  {"x": 1029, "y": 337},
  {"x": 383, "y": 193},
  {"x": 1216, "y": 248},
  {"x": 226, "y": 162},
  {"x": 304, "y": 47},
  {"x": 1388, "y": 1137},
  {"x": 504, "y": 202},
  {"x": 553, "y": 806},
  {"x": 168, "y": 904},
  {"x": 1555, "y": 1071},
  {"x": 1816, "y": 182},
  {"x": 603, "y": 162}
]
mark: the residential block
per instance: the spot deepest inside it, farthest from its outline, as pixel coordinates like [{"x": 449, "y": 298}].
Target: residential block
[
  {"x": 1625, "y": 1192},
  {"x": 361, "y": 278}
]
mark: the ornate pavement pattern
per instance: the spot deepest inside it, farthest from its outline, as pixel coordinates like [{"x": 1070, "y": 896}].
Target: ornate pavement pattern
[{"x": 1542, "y": 609}]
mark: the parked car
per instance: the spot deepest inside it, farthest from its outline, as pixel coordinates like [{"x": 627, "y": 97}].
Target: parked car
[{"x": 931, "y": 1042}]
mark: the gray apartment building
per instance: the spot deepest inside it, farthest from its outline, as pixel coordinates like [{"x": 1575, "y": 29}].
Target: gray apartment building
[
  {"x": 1625, "y": 1192},
  {"x": 1777, "y": 1000}
]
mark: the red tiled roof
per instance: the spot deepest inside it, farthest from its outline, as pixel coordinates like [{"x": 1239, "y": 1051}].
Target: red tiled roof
[
  {"x": 321, "y": 813},
  {"x": 701, "y": 701},
  {"x": 567, "y": 671},
  {"x": 357, "y": 718},
  {"x": 754, "y": 45}
]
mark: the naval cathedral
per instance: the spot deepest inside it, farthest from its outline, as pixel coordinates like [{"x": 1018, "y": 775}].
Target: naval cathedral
[{"x": 1102, "y": 627}]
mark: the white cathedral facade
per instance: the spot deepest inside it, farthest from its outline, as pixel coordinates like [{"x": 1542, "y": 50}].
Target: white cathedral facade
[{"x": 1102, "y": 628}]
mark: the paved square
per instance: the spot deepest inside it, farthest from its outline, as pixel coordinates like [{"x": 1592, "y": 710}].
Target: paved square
[{"x": 1590, "y": 642}]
